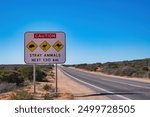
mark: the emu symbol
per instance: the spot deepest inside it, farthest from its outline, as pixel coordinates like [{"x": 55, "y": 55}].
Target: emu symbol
[{"x": 44, "y": 46}]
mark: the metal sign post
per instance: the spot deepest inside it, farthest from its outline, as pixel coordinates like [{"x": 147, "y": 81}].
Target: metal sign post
[
  {"x": 44, "y": 48},
  {"x": 34, "y": 77},
  {"x": 56, "y": 80}
]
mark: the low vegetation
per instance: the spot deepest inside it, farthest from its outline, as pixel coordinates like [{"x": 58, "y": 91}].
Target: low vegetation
[
  {"x": 21, "y": 75},
  {"x": 16, "y": 82},
  {"x": 48, "y": 96},
  {"x": 49, "y": 87},
  {"x": 134, "y": 68},
  {"x": 21, "y": 95},
  {"x": 5, "y": 87}
]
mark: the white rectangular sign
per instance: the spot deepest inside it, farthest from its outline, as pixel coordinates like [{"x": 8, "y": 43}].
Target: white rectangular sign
[{"x": 45, "y": 47}]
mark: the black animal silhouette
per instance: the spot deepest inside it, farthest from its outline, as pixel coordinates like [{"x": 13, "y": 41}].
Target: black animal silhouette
[
  {"x": 31, "y": 46},
  {"x": 44, "y": 46},
  {"x": 58, "y": 45}
]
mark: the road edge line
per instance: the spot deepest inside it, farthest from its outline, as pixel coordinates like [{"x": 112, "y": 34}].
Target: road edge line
[
  {"x": 123, "y": 97},
  {"x": 133, "y": 85}
]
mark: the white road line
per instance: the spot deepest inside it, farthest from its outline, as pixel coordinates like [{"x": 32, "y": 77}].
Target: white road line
[
  {"x": 120, "y": 96},
  {"x": 127, "y": 84}
]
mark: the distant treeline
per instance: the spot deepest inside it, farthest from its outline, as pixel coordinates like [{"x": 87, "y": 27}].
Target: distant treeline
[{"x": 134, "y": 68}]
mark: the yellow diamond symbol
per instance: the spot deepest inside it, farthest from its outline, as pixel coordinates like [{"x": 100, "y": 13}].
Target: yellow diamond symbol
[
  {"x": 45, "y": 46},
  {"x": 32, "y": 46},
  {"x": 58, "y": 46}
]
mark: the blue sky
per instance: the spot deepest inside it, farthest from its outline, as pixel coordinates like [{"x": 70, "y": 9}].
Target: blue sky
[{"x": 97, "y": 30}]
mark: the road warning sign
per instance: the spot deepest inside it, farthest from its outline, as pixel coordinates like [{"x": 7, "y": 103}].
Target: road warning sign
[
  {"x": 58, "y": 46},
  {"x": 31, "y": 46},
  {"x": 45, "y": 47}
]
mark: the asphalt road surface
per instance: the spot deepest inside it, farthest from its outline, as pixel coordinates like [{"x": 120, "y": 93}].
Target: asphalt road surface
[{"x": 114, "y": 88}]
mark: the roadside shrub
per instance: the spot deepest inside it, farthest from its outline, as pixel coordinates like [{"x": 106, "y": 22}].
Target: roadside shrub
[
  {"x": 127, "y": 71},
  {"x": 111, "y": 65},
  {"x": 11, "y": 77},
  {"x": 27, "y": 73},
  {"x": 40, "y": 75},
  {"x": 5, "y": 87},
  {"x": 134, "y": 68},
  {"x": 145, "y": 68},
  {"x": 52, "y": 74},
  {"x": 46, "y": 68},
  {"x": 21, "y": 95},
  {"x": 140, "y": 73},
  {"x": 90, "y": 67},
  {"x": 49, "y": 88},
  {"x": 48, "y": 96}
]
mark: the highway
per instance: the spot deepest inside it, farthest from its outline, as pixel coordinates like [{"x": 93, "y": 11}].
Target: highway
[{"x": 114, "y": 88}]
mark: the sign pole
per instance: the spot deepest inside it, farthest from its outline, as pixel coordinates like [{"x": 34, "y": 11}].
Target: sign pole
[
  {"x": 56, "y": 81},
  {"x": 34, "y": 77},
  {"x": 148, "y": 68},
  {"x": 40, "y": 43}
]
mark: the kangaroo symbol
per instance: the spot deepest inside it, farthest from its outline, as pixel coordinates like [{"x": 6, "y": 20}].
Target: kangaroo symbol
[{"x": 58, "y": 45}]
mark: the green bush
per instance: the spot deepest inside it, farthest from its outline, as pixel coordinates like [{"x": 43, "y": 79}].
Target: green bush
[
  {"x": 127, "y": 71},
  {"x": 145, "y": 68},
  {"x": 40, "y": 75},
  {"x": 48, "y": 96},
  {"x": 134, "y": 68},
  {"x": 45, "y": 68},
  {"x": 21, "y": 95},
  {"x": 11, "y": 77},
  {"x": 27, "y": 73},
  {"x": 23, "y": 74},
  {"x": 5, "y": 87},
  {"x": 89, "y": 67},
  {"x": 47, "y": 87}
]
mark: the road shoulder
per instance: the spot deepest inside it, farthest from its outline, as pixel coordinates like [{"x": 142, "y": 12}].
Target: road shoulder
[{"x": 80, "y": 92}]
